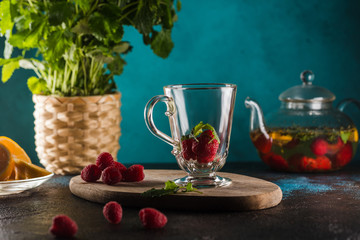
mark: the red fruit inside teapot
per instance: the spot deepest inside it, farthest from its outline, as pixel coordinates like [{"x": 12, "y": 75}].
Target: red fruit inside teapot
[{"x": 300, "y": 149}]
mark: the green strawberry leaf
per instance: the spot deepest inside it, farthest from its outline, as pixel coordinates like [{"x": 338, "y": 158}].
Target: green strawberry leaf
[{"x": 198, "y": 129}]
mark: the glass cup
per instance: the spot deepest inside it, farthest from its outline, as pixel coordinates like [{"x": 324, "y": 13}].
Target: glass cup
[{"x": 200, "y": 117}]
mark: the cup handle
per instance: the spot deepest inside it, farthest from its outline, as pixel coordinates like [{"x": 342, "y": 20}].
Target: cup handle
[
  {"x": 344, "y": 103},
  {"x": 148, "y": 116}
]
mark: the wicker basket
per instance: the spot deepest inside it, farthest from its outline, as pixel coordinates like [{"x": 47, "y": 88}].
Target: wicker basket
[{"x": 71, "y": 131}]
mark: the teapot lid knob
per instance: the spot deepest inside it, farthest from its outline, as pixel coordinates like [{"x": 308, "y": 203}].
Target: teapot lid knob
[
  {"x": 307, "y": 77},
  {"x": 307, "y": 92}
]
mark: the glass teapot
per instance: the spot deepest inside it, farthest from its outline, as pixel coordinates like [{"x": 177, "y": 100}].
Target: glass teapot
[{"x": 306, "y": 134}]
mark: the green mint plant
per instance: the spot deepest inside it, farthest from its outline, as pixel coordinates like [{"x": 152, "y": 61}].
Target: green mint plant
[
  {"x": 79, "y": 43},
  {"x": 170, "y": 188}
]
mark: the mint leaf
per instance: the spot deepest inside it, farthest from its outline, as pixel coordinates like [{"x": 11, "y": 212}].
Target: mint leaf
[
  {"x": 60, "y": 12},
  {"x": 157, "y": 192},
  {"x": 122, "y": 47},
  {"x": 82, "y": 27},
  {"x": 170, "y": 185},
  {"x": 199, "y": 128},
  {"x": 6, "y": 24},
  {"x": 8, "y": 70},
  {"x": 146, "y": 15},
  {"x": 37, "y": 86},
  {"x": 189, "y": 187},
  {"x": 345, "y": 136},
  {"x": 161, "y": 43},
  {"x": 58, "y": 42},
  {"x": 170, "y": 188},
  {"x": 84, "y": 5}
]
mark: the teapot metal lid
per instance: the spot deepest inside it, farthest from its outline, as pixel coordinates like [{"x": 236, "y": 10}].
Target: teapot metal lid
[{"x": 307, "y": 93}]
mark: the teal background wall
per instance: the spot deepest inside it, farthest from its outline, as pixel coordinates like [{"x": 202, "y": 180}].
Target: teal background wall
[{"x": 260, "y": 45}]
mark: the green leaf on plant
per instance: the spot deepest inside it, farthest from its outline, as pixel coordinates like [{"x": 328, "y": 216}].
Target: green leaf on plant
[
  {"x": 99, "y": 26},
  {"x": 60, "y": 12},
  {"x": 36, "y": 85},
  {"x": 122, "y": 47},
  {"x": 82, "y": 27},
  {"x": 145, "y": 14},
  {"x": 6, "y": 24},
  {"x": 58, "y": 42},
  {"x": 84, "y": 5},
  {"x": 117, "y": 65},
  {"x": 161, "y": 43},
  {"x": 178, "y": 5},
  {"x": 8, "y": 70},
  {"x": 345, "y": 136},
  {"x": 28, "y": 38}
]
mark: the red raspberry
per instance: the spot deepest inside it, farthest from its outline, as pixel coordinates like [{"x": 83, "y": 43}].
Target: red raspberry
[
  {"x": 263, "y": 144},
  {"x": 205, "y": 147},
  {"x": 121, "y": 167},
  {"x": 63, "y": 226},
  {"x": 344, "y": 156},
  {"x": 111, "y": 175},
  {"x": 113, "y": 212},
  {"x": 91, "y": 173},
  {"x": 134, "y": 173},
  {"x": 104, "y": 160},
  {"x": 152, "y": 218},
  {"x": 319, "y": 146},
  {"x": 187, "y": 152}
]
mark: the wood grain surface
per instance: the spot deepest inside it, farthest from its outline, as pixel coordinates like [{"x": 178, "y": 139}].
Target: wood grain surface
[{"x": 245, "y": 193}]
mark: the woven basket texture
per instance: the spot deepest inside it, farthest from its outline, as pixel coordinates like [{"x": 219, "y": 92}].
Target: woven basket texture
[{"x": 70, "y": 132}]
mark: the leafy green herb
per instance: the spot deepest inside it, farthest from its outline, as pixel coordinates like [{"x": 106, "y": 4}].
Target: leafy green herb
[
  {"x": 344, "y": 136},
  {"x": 170, "y": 188},
  {"x": 198, "y": 129},
  {"x": 79, "y": 43}
]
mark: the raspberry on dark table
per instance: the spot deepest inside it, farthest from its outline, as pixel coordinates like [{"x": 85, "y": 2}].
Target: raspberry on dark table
[
  {"x": 111, "y": 175},
  {"x": 104, "y": 160},
  {"x": 152, "y": 218},
  {"x": 113, "y": 212},
  {"x": 134, "y": 173},
  {"x": 63, "y": 226},
  {"x": 120, "y": 166},
  {"x": 91, "y": 173}
]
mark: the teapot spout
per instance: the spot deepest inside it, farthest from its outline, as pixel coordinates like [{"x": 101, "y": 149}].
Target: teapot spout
[{"x": 256, "y": 116}]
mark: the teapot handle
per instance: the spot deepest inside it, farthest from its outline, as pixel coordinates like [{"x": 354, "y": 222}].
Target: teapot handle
[{"x": 344, "y": 103}]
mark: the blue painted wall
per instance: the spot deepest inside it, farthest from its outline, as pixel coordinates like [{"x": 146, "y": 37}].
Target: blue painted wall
[{"x": 261, "y": 45}]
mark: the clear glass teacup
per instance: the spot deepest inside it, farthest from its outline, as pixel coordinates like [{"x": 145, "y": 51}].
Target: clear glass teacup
[{"x": 200, "y": 117}]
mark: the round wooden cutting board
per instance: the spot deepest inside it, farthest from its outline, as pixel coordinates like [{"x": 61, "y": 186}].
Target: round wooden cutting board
[{"x": 245, "y": 193}]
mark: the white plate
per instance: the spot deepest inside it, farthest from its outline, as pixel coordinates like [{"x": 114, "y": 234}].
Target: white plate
[{"x": 17, "y": 186}]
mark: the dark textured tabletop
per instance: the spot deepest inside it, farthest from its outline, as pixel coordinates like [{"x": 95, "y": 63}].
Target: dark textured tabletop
[{"x": 314, "y": 206}]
